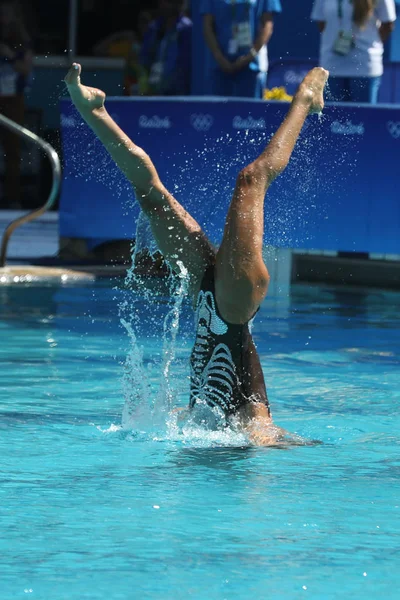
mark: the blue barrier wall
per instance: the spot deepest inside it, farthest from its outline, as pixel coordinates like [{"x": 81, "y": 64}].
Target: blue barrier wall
[
  {"x": 393, "y": 46},
  {"x": 340, "y": 191}
]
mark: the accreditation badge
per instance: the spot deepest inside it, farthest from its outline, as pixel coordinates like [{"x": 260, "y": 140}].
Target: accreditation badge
[
  {"x": 244, "y": 37},
  {"x": 156, "y": 73},
  {"x": 344, "y": 43},
  {"x": 233, "y": 47}
]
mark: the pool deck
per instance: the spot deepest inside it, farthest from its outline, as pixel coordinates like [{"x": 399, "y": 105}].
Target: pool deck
[
  {"x": 33, "y": 240},
  {"x": 39, "y": 239}
]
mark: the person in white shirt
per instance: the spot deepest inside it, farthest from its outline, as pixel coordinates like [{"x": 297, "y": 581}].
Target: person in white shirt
[{"x": 352, "y": 36}]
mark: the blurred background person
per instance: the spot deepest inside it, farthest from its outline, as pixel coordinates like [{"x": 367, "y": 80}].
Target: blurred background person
[
  {"x": 15, "y": 69},
  {"x": 237, "y": 33},
  {"x": 128, "y": 45},
  {"x": 166, "y": 53},
  {"x": 134, "y": 74},
  {"x": 352, "y": 36},
  {"x": 115, "y": 45}
]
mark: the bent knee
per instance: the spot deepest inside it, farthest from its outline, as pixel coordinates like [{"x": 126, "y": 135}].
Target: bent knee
[
  {"x": 253, "y": 271},
  {"x": 260, "y": 282},
  {"x": 245, "y": 286},
  {"x": 239, "y": 300},
  {"x": 255, "y": 174},
  {"x": 248, "y": 273},
  {"x": 249, "y": 176}
]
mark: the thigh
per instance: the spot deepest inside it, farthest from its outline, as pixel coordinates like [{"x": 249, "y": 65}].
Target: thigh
[
  {"x": 241, "y": 277},
  {"x": 365, "y": 89},
  {"x": 179, "y": 237}
]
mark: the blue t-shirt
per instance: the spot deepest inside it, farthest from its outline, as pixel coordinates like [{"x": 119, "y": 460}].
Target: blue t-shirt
[
  {"x": 229, "y": 14},
  {"x": 168, "y": 57}
]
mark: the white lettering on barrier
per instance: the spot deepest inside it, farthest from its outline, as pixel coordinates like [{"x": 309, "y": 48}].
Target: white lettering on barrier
[
  {"x": 295, "y": 77},
  {"x": 154, "y": 122},
  {"x": 347, "y": 128},
  {"x": 394, "y": 129},
  {"x": 248, "y": 123},
  {"x": 201, "y": 122}
]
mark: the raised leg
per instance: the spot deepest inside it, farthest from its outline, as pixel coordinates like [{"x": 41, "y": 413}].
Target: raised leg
[
  {"x": 241, "y": 280},
  {"x": 177, "y": 234}
]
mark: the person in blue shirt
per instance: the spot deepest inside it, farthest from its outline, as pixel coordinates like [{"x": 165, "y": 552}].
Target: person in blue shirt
[
  {"x": 166, "y": 52},
  {"x": 237, "y": 33}
]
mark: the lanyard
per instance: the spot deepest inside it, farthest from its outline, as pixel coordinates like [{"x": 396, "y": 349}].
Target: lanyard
[
  {"x": 160, "y": 47},
  {"x": 164, "y": 46},
  {"x": 340, "y": 8}
]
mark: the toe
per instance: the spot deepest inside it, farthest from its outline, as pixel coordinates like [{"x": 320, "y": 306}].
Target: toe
[{"x": 73, "y": 74}]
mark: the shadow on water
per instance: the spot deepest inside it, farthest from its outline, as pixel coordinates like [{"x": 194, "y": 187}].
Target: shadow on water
[
  {"x": 36, "y": 304},
  {"x": 231, "y": 460},
  {"x": 346, "y": 304},
  {"x": 347, "y": 301},
  {"x": 226, "y": 458},
  {"x": 16, "y": 418}
]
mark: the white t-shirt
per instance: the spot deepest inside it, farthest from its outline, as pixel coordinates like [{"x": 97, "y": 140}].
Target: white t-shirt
[{"x": 366, "y": 58}]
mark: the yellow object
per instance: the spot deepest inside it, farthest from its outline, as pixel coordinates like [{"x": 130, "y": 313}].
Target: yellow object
[
  {"x": 120, "y": 48},
  {"x": 277, "y": 93}
]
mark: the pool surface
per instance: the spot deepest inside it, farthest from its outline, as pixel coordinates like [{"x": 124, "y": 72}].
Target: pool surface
[{"x": 91, "y": 511}]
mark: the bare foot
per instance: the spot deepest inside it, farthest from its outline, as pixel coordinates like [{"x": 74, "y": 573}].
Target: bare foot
[
  {"x": 262, "y": 432},
  {"x": 311, "y": 90},
  {"x": 255, "y": 421},
  {"x": 84, "y": 97}
]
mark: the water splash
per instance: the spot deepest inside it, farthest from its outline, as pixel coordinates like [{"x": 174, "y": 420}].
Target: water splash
[
  {"x": 144, "y": 406},
  {"x": 144, "y": 244},
  {"x": 170, "y": 332},
  {"x": 136, "y": 389},
  {"x": 192, "y": 434}
]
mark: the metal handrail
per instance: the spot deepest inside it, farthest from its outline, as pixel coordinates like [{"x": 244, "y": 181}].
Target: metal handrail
[{"x": 56, "y": 168}]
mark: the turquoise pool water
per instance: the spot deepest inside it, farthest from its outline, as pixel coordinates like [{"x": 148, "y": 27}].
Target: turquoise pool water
[{"x": 89, "y": 511}]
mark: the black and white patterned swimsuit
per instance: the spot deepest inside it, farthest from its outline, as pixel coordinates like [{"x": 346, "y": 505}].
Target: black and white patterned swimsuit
[{"x": 224, "y": 364}]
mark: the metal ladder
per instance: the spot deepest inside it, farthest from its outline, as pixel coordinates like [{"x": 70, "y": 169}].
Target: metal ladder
[{"x": 56, "y": 168}]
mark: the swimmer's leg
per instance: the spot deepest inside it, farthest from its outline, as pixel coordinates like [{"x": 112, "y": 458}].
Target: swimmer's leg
[
  {"x": 178, "y": 235},
  {"x": 241, "y": 279}
]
